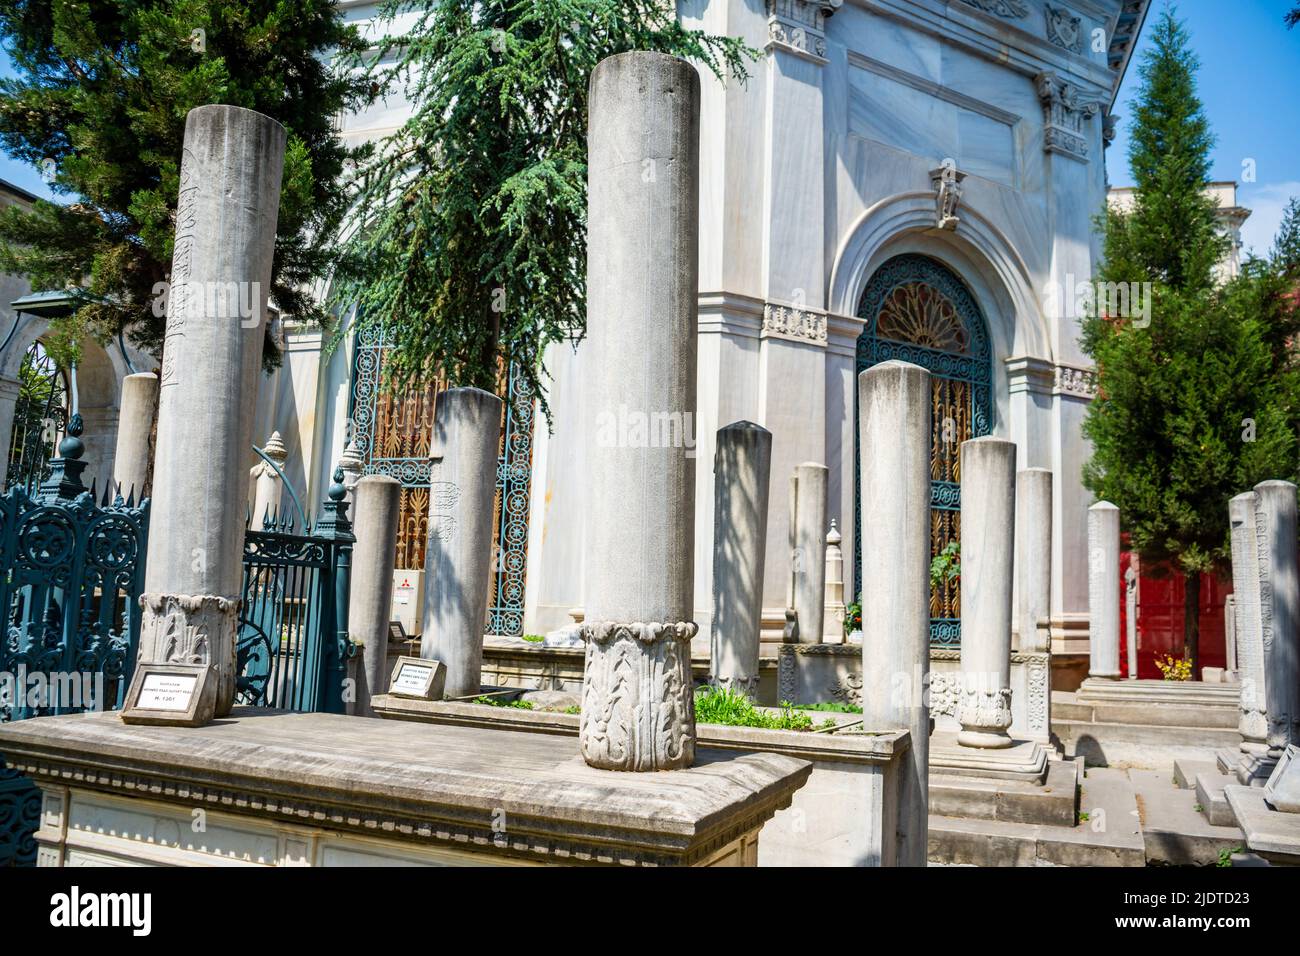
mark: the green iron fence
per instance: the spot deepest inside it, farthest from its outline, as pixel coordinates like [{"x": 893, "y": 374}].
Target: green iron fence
[
  {"x": 293, "y": 645},
  {"x": 71, "y": 572}
]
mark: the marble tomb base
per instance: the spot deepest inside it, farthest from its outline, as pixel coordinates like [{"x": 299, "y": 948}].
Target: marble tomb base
[{"x": 274, "y": 788}]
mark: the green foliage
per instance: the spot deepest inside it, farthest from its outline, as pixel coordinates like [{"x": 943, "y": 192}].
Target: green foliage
[
  {"x": 499, "y": 702},
  {"x": 533, "y": 638},
  {"x": 721, "y": 705},
  {"x": 98, "y": 99},
  {"x": 946, "y": 565},
  {"x": 852, "y": 618},
  {"x": 1203, "y": 402},
  {"x": 1225, "y": 855},
  {"x": 469, "y": 238}
]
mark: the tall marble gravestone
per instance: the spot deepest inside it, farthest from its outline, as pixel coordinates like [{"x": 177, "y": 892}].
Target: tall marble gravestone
[
  {"x": 638, "y": 708},
  {"x": 741, "y": 466},
  {"x": 212, "y": 357},
  {"x": 807, "y": 601},
  {"x": 988, "y": 518},
  {"x": 1103, "y": 591},
  {"x": 458, "y": 558},
  {"x": 894, "y": 440}
]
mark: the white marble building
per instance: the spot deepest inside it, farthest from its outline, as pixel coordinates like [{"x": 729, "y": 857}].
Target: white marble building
[{"x": 964, "y": 135}]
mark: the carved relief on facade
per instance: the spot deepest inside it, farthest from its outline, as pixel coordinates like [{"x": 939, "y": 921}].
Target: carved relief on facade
[
  {"x": 793, "y": 322},
  {"x": 1011, "y": 9},
  {"x": 1066, "y": 113},
  {"x": 946, "y": 182},
  {"x": 799, "y": 26},
  {"x": 1063, "y": 28},
  {"x": 1076, "y": 381}
]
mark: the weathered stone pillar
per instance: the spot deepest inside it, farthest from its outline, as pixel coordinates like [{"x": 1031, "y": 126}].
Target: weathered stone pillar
[
  {"x": 1278, "y": 546},
  {"x": 894, "y": 439},
  {"x": 370, "y": 604},
  {"x": 741, "y": 468},
  {"x": 458, "y": 561},
  {"x": 1131, "y": 618},
  {"x": 1230, "y": 633},
  {"x": 1103, "y": 590},
  {"x": 835, "y": 610},
  {"x": 638, "y": 708},
  {"x": 134, "y": 431},
  {"x": 212, "y": 358},
  {"x": 807, "y": 553},
  {"x": 1249, "y": 586},
  {"x": 1033, "y": 557},
  {"x": 988, "y": 515}
]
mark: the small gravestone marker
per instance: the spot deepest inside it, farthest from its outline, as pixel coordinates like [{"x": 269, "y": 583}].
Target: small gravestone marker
[
  {"x": 180, "y": 695},
  {"x": 418, "y": 678},
  {"x": 1282, "y": 792}
]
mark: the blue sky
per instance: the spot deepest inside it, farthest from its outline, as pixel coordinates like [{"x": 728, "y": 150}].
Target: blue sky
[{"x": 1250, "y": 72}]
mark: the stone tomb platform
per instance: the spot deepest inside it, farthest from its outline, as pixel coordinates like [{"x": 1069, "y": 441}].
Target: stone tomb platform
[
  {"x": 1274, "y": 836},
  {"x": 289, "y": 789}
]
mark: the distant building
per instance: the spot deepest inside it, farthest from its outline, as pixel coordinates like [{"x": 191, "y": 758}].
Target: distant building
[{"x": 1231, "y": 218}]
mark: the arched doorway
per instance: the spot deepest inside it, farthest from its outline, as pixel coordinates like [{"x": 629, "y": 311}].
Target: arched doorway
[{"x": 917, "y": 310}]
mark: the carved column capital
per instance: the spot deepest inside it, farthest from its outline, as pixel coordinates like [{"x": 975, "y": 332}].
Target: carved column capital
[
  {"x": 1065, "y": 115},
  {"x": 799, "y": 26},
  {"x": 192, "y": 629},
  {"x": 638, "y": 701}
]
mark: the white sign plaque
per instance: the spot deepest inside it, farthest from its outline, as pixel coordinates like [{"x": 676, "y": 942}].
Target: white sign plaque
[
  {"x": 167, "y": 691},
  {"x": 417, "y": 677}
]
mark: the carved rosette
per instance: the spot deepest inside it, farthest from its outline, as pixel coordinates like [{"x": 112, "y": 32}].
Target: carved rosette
[
  {"x": 638, "y": 703},
  {"x": 193, "y": 629},
  {"x": 985, "y": 715}
]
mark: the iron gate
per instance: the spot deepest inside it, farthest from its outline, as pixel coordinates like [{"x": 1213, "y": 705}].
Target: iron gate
[{"x": 72, "y": 573}]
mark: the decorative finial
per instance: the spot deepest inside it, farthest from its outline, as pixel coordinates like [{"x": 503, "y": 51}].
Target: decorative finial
[{"x": 337, "y": 490}]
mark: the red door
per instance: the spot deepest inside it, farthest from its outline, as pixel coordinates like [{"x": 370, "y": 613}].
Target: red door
[{"x": 1160, "y": 590}]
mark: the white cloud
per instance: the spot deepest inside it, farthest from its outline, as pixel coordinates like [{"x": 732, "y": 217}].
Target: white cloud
[{"x": 1267, "y": 202}]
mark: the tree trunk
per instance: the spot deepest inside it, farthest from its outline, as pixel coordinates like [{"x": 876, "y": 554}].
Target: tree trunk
[{"x": 1192, "y": 621}]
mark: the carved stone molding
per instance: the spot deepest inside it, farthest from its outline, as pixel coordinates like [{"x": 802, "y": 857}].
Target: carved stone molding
[
  {"x": 946, "y": 182},
  {"x": 739, "y": 685},
  {"x": 1063, "y": 28},
  {"x": 638, "y": 701},
  {"x": 799, "y": 26},
  {"x": 192, "y": 629},
  {"x": 1065, "y": 113},
  {"x": 1075, "y": 381},
  {"x": 1011, "y": 9},
  {"x": 796, "y": 323}
]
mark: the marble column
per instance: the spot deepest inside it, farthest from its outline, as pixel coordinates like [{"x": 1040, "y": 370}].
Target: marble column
[
  {"x": 212, "y": 358},
  {"x": 1131, "y": 618},
  {"x": 1281, "y": 618},
  {"x": 134, "y": 435},
  {"x": 1103, "y": 590},
  {"x": 1249, "y": 584},
  {"x": 9, "y": 389},
  {"x": 833, "y": 623},
  {"x": 370, "y": 603},
  {"x": 1033, "y": 558},
  {"x": 463, "y": 457},
  {"x": 988, "y": 516},
  {"x": 807, "y": 553},
  {"x": 638, "y": 708},
  {"x": 1230, "y": 634},
  {"x": 894, "y": 457},
  {"x": 741, "y": 468}
]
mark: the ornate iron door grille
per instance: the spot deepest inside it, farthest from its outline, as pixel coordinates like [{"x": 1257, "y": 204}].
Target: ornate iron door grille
[
  {"x": 918, "y": 311},
  {"x": 392, "y": 433}
]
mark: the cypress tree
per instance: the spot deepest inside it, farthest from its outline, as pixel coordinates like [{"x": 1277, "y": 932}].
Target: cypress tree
[{"x": 1198, "y": 401}]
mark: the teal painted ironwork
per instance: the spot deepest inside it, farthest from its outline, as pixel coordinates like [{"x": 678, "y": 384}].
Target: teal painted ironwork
[
  {"x": 293, "y": 645},
  {"x": 514, "y": 471},
  {"x": 969, "y": 365},
  {"x": 73, "y": 571}
]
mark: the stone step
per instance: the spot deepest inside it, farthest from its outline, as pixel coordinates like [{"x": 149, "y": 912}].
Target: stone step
[
  {"x": 1053, "y": 803},
  {"x": 1145, "y": 745},
  {"x": 1109, "y": 837},
  {"x": 1186, "y": 770},
  {"x": 1174, "y": 832},
  {"x": 1211, "y": 800}
]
